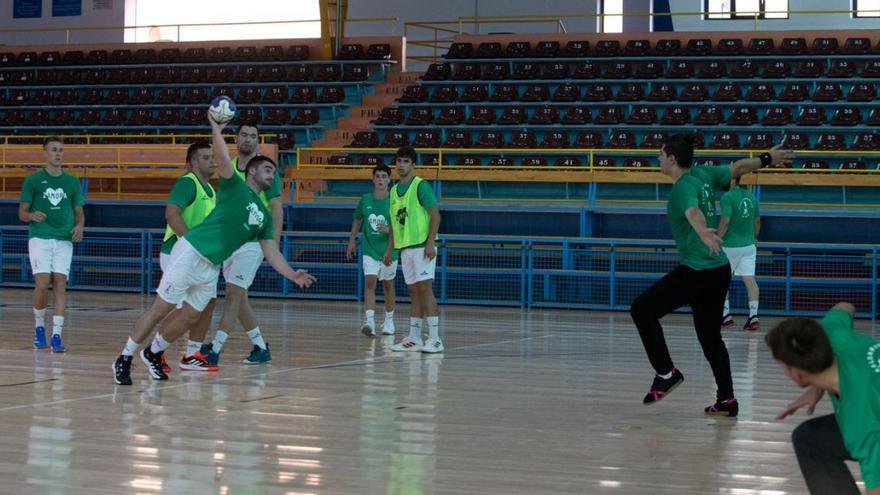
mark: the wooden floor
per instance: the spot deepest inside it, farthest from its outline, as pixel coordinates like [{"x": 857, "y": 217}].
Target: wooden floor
[{"x": 521, "y": 402}]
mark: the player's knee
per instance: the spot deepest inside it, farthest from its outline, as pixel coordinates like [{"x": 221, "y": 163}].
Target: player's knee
[
  {"x": 234, "y": 292},
  {"x": 640, "y": 308},
  {"x": 802, "y": 436}
]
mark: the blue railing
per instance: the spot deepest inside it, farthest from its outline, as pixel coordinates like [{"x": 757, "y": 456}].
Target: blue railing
[{"x": 525, "y": 272}]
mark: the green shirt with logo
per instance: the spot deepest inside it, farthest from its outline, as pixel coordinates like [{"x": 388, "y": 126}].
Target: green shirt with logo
[
  {"x": 696, "y": 187},
  {"x": 239, "y": 217},
  {"x": 427, "y": 199},
  {"x": 274, "y": 190},
  {"x": 183, "y": 194},
  {"x": 374, "y": 213},
  {"x": 57, "y": 197},
  {"x": 741, "y": 207},
  {"x": 857, "y": 408}
]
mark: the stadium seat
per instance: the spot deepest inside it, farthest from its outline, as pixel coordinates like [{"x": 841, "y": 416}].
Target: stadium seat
[
  {"x": 871, "y": 69},
  {"x": 306, "y": 94},
  {"x": 621, "y": 140},
  {"x": 729, "y": 47},
  {"x": 167, "y": 75},
  {"x": 117, "y": 96},
  {"x": 711, "y": 70},
  {"x": 607, "y": 48},
  {"x": 534, "y": 161},
  {"x": 504, "y": 93},
  {"x": 830, "y": 141},
  {"x": 275, "y": 94},
  {"x": 642, "y": 115},
  {"x": 566, "y": 93},
  {"x": 698, "y": 47},
  {"x": 636, "y": 162},
  {"x": 609, "y": 116},
  {"x": 450, "y": 116},
  {"x": 395, "y": 139},
  {"x": 847, "y": 116},
  {"x": 727, "y": 92},
  {"x": 811, "y": 115},
  {"x": 272, "y": 53},
  {"x": 824, "y": 46},
  {"x": 193, "y": 116},
  {"x": 576, "y": 115},
  {"x": 249, "y": 95},
  {"x": 815, "y": 164},
  {"x": 350, "y": 51},
  {"x": 94, "y": 96},
  {"x": 649, "y": 70},
  {"x": 370, "y": 160},
  {"x": 777, "y": 115},
  {"x": 489, "y": 49},
  {"x": 219, "y": 54},
  {"x": 61, "y": 117},
  {"x": 65, "y": 96},
  {"x": 851, "y": 164},
  {"x": 298, "y": 72},
  {"x": 114, "y": 116},
  {"x": 390, "y": 116},
  {"x": 73, "y": 57},
  {"x": 245, "y": 54},
  {"x": 793, "y": 92},
  {"x": 866, "y": 141},
  {"x": 744, "y": 69},
  {"x": 306, "y": 116},
  {"x": 779, "y": 69},
  {"x": 585, "y": 70},
  {"x": 694, "y": 92},
  {"x": 437, "y": 72},
  {"x": 680, "y": 70},
  {"x": 761, "y": 46},
  {"x": 167, "y": 116},
  {"x": 350, "y": 72},
  {"x": 427, "y": 139},
  {"x": 576, "y": 48},
  {"x": 857, "y": 46},
  {"x": 18, "y": 97},
  {"x": 365, "y": 139},
  {"x": 500, "y": 161},
  {"x": 588, "y": 140},
  {"x": 251, "y": 114},
  {"x": 465, "y": 71},
  {"x": 457, "y": 139},
  {"x": 827, "y": 92},
  {"x": 331, "y": 94},
  {"x": 340, "y": 160},
  {"x": 793, "y": 46},
  {"x": 411, "y": 94},
  {"x": 90, "y": 117},
  {"x": 522, "y": 139},
  {"x": 759, "y": 141},
  {"x": 618, "y": 70},
  {"x": 474, "y": 93},
  {"x": 668, "y": 48},
  {"x": 325, "y": 73},
  {"x": 298, "y": 52},
  {"x": 597, "y": 92},
  {"x": 101, "y": 57},
  {"x": 862, "y": 92},
  {"x": 480, "y": 115},
  {"x": 554, "y": 139},
  {"x": 377, "y": 51},
  {"x": 554, "y": 70},
  {"x": 809, "y": 69},
  {"x": 724, "y": 141},
  {"x": 489, "y": 139},
  {"x": 443, "y": 94},
  {"x": 675, "y": 115},
  {"x": 518, "y": 49},
  {"x": 419, "y": 117},
  {"x": 629, "y": 92},
  {"x": 496, "y": 71},
  {"x": 661, "y": 91},
  {"x": 526, "y": 70},
  {"x": 567, "y": 161},
  {"x": 653, "y": 140},
  {"x": 512, "y": 116},
  {"x": 535, "y": 93},
  {"x": 460, "y": 50},
  {"x": 637, "y": 48},
  {"x": 709, "y": 115},
  {"x": 545, "y": 49},
  {"x": 604, "y": 162},
  {"x": 842, "y": 68},
  {"x": 545, "y": 116},
  {"x": 795, "y": 141}
]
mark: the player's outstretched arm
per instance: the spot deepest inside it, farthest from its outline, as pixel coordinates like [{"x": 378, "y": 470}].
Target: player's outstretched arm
[
  {"x": 845, "y": 306},
  {"x": 747, "y": 165},
  {"x": 277, "y": 261},
  {"x": 221, "y": 151}
]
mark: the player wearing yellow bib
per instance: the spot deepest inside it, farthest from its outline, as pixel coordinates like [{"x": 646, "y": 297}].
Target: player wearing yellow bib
[
  {"x": 739, "y": 226},
  {"x": 194, "y": 266},
  {"x": 241, "y": 267},
  {"x": 415, "y": 220},
  {"x": 190, "y": 201}
]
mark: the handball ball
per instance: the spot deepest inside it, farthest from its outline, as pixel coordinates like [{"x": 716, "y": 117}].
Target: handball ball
[{"x": 222, "y": 109}]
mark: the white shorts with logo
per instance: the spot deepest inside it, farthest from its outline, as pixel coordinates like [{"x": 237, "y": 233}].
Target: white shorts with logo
[
  {"x": 163, "y": 261},
  {"x": 241, "y": 267},
  {"x": 188, "y": 277},
  {"x": 50, "y": 255},
  {"x": 416, "y": 267},
  {"x": 379, "y": 269},
  {"x": 742, "y": 260}
]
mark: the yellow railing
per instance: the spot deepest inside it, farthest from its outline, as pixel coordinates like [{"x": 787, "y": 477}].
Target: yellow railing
[{"x": 76, "y": 139}]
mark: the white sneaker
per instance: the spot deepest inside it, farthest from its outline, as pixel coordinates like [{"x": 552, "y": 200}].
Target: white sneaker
[
  {"x": 407, "y": 345},
  {"x": 369, "y": 328},
  {"x": 388, "y": 327},
  {"x": 432, "y": 346}
]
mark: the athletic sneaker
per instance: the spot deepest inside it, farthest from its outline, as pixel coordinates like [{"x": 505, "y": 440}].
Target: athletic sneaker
[
  {"x": 727, "y": 321},
  {"x": 122, "y": 370},
  {"x": 40, "y": 338},
  {"x": 165, "y": 367},
  {"x": 57, "y": 346},
  {"x": 369, "y": 328},
  {"x": 196, "y": 362},
  {"x": 258, "y": 355},
  {"x": 211, "y": 357},
  {"x": 662, "y": 386},
  {"x": 752, "y": 324},
  {"x": 388, "y": 327},
  {"x": 729, "y": 408},
  {"x": 432, "y": 346},
  {"x": 407, "y": 345},
  {"x": 154, "y": 363}
]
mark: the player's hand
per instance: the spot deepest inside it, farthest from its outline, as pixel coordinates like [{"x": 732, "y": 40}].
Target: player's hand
[
  {"x": 303, "y": 279},
  {"x": 37, "y": 216},
  {"x": 430, "y": 251},
  {"x": 386, "y": 260},
  {"x": 349, "y": 251},
  {"x": 780, "y": 156},
  {"x": 215, "y": 124},
  {"x": 76, "y": 234},
  {"x": 710, "y": 239},
  {"x": 809, "y": 398}
]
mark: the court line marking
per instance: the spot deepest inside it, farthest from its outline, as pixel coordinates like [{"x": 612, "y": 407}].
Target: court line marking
[{"x": 379, "y": 359}]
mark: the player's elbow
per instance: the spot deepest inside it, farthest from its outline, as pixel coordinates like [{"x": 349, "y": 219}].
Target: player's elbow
[{"x": 845, "y": 306}]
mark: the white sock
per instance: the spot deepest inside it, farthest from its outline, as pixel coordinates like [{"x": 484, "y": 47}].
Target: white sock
[
  {"x": 433, "y": 327},
  {"x": 159, "y": 344},
  {"x": 753, "y": 308},
  {"x": 415, "y": 329},
  {"x": 389, "y": 315},
  {"x": 130, "y": 347},
  {"x": 726, "y": 307},
  {"x": 370, "y": 314},
  {"x": 257, "y": 338},
  {"x": 40, "y": 317},
  {"x": 192, "y": 347},
  {"x": 57, "y": 324},
  {"x": 667, "y": 376},
  {"x": 219, "y": 339}
]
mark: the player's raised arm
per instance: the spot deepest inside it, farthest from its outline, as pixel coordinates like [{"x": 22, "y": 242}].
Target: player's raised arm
[{"x": 221, "y": 151}]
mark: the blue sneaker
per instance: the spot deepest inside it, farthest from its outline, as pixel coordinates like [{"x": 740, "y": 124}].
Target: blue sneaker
[
  {"x": 258, "y": 356},
  {"x": 211, "y": 357},
  {"x": 57, "y": 346},
  {"x": 40, "y": 338}
]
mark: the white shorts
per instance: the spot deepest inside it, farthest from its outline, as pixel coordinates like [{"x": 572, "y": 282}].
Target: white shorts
[
  {"x": 379, "y": 269},
  {"x": 189, "y": 277},
  {"x": 742, "y": 260},
  {"x": 50, "y": 255},
  {"x": 241, "y": 267},
  {"x": 416, "y": 267},
  {"x": 163, "y": 260}
]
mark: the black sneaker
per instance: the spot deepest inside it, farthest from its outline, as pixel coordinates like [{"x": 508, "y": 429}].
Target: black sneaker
[
  {"x": 154, "y": 363},
  {"x": 122, "y": 370},
  {"x": 662, "y": 386},
  {"x": 729, "y": 408}
]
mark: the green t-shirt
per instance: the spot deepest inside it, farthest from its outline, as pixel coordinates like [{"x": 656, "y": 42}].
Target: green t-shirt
[
  {"x": 57, "y": 197},
  {"x": 274, "y": 190},
  {"x": 741, "y": 207},
  {"x": 696, "y": 187},
  {"x": 426, "y": 198},
  {"x": 239, "y": 217},
  {"x": 857, "y": 409},
  {"x": 182, "y": 194},
  {"x": 374, "y": 213}
]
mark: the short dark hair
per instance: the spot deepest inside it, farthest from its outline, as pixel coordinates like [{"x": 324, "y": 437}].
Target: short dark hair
[
  {"x": 256, "y": 160},
  {"x": 52, "y": 139},
  {"x": 801, "y": 343},
  {"x": 195, "y": 148},
  {"x": 681, "y": 146},
  {"x": 382, "y": 168},
  {"x": 247, "y": 123},
  {"x": 406, "y": 152}
]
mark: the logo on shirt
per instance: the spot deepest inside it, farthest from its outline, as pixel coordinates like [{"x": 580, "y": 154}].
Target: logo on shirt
[
  {"x": 401, "y": 216},
  {"x": 54, "y": 195},
  {"x": 255, "y": 216},
  {"x": 874, "y": 357},
  {"x": 377, "y": 221},
  {"x": 746, "y": 206}
]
